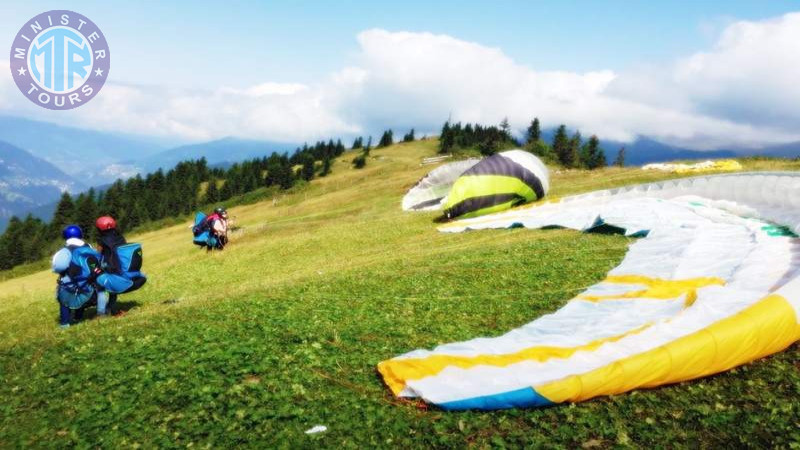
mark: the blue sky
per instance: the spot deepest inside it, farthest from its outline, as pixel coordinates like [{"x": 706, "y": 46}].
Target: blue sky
[
  {"x": 207, "y": 44},
  {"x": 700, "y": 74}
]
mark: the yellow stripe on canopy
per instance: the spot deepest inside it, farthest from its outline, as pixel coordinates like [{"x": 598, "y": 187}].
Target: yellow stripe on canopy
[
  {"x": 766, "y": 327},
  {"x": 396, "y": 372},
  {"x": 657, "y": 288}
]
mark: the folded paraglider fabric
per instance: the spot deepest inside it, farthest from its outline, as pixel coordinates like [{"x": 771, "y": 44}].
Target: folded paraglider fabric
[
  {"x": 496, "y": 183},
  {"x": 705, "y": 166},
  {"x": 475, "y": 187},
  {"x": 713, "y": 285},
  {"x": 430, "y": 192}
]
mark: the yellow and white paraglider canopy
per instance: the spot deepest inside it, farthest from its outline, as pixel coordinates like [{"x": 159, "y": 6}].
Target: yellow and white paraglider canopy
[{"x": 713, "y": 285}]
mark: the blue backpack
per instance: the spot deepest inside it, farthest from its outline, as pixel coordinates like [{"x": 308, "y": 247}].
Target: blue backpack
[
  {"x": 75, "y": 285},
  {"x": 202, "y": 232},
  {"x": 130, "y": 277}
]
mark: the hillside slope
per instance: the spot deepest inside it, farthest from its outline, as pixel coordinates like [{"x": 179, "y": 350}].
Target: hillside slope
[{"x": 282, "y": 331}]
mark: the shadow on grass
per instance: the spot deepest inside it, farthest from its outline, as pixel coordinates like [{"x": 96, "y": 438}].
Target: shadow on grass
[{"x": 89, "y": 311}]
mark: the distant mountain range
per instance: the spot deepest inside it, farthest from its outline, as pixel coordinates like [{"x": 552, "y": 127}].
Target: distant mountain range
[
  {"x": 644, "y": 151},
  {"x": 40, "y": 160},
  {"x": 219, "y": 152},
  {"x": 92, "y": 156},
  {"x": 28, "y": 182}
]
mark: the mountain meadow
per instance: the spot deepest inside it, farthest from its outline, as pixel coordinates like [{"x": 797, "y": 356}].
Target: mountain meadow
[{"x": 282, "y": 331}]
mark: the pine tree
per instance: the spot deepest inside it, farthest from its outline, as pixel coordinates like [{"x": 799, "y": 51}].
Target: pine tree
[
  {"x": 387, "y": 139},
  {"x": 212, "y": 192},
  {"x": 12, "y": 245},
  {"x": 64, "y": 215},
  {"x": 446, "y": 139},
  {"x": 228, "y": 189},
  {"x": 593, "y": 155},
  {"x": 368, "y": 147},
  {"x": 326, "y": 167},
  {"x": 357, "y": 143},
  {"x": 307, "y": 172},
  {"x": 155, "y": 184},
  {"x": 561, "y": 147},
  {"x": 620, "y": 159},
  {"x": 86, "y": 213},
  {"x": 409, "y": 137},
  {"x": 285, "y": 175},
  {"x": 505, "y": 127},
  {"x": 534, "y": 131},
  {"x": 574, "y": 152},
  {"x": 601, "y": 159},
  {"x": 138, "y": 216}
]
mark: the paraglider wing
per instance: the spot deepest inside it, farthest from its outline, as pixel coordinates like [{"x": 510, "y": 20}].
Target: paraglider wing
[
  {"x": 498, "y": 182},
  {"x": 713, "y": 285},
  {"x": 430, "y": 192}
]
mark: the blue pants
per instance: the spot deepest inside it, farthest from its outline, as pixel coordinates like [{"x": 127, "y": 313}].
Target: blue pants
[
  {"x": 100, "y": 299},
  {"x": 65, "y": 314}
]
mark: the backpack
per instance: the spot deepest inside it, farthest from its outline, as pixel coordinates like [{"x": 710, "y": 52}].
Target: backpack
[
  {"x": 200, "y": 224},
  {"x": 110, "y": 240},
  {"x": 202, "y": 231},
  {"x": 129, "y": 276},
  {"x": 75, "y": 285}
]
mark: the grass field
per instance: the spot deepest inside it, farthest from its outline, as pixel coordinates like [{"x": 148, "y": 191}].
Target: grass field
[{"x": 282, "y": 331}]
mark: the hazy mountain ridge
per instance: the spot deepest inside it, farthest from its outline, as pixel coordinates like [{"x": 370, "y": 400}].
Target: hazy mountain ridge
[
  {"x": 222, "y": 151},
  {"x": 28, "y": 182},
  {"x": 83, "y": 154}
]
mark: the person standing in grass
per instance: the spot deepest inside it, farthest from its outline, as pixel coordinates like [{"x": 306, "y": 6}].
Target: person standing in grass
[
  {"x": 109, "y": 239},
  {"x": 78, "y": 266},
  {"x": 218, "y": 225}
]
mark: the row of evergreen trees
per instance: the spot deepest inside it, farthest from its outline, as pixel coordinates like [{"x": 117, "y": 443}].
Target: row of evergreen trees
[
  {"x": 566, "y": 150},
  {"x": 387, "y": 139},
  {"x": 159, "y": 195},
  {"x": 486, "y": 139},
  {"x": 569, "y": 151}
]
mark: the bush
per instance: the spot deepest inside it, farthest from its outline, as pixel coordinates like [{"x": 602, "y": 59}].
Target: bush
[
  {"x": 360, "y": 161},
  {"x": 543, "y": 151}
]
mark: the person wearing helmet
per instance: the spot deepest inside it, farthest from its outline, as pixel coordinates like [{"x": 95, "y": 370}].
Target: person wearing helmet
[
  {"x": 218, "y": 225},
  {"x": 76, "y": 278},
  {"x": 109, "y": 238}
]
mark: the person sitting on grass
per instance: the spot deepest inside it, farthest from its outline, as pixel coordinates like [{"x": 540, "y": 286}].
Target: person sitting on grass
[{"x": 78, "y": 266}]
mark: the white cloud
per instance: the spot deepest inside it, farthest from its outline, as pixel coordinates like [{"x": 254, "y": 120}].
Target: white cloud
[
  {"x": 740, "y": 93},
  {"x": 432, "y": 76}
]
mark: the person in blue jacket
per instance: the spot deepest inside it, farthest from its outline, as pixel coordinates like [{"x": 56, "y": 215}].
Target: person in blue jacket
[{"x": 78, "y": 266}]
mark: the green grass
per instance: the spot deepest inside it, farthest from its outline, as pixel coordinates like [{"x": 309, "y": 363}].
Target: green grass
[{"x": 282, "y": 331}]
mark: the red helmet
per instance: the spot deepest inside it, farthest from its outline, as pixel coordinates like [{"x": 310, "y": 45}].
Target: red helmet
[{"x": 105, "y": 223}]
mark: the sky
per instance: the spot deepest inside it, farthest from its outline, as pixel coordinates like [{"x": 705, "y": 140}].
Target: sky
[{"x": 696, "y": 74}]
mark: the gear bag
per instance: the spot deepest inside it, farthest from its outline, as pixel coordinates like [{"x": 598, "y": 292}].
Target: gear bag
[
  {"x": 202, "y": 232},
  {"x": 200, "y": 224},
  {"x": 130, "y": 277}
]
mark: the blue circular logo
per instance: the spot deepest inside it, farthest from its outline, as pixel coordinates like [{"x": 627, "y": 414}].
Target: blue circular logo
[{"x": 60, "y": 60}]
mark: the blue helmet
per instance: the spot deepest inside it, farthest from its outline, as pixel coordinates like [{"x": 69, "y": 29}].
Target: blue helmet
[{"x": 72, "y": 231}]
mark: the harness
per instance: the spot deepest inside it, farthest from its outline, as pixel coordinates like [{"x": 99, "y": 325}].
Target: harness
[{"x": 76, "y": 285}]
